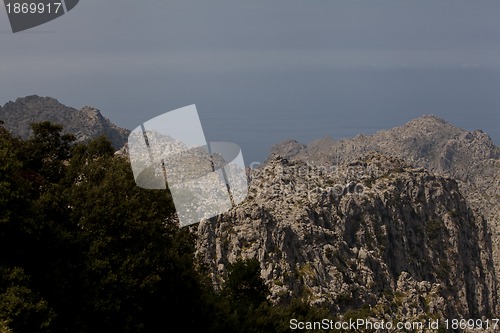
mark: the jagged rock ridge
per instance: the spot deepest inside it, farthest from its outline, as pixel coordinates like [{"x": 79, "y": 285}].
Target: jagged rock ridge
[
  {"x": 420, "y": 239},
  {"x": 469, "y": 157},
  {"x": 376, "y": 232},
  {"x": 85, "y": 124}
]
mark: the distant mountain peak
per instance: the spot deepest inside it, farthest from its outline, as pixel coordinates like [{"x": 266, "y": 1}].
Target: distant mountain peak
[
  {"x": 429, "y": 123},
  {"x": 32, "y": 98},
  {"x": 85, "y": 124},
  {"x": 469, "y": 157},
  {"x": 35, "y": 101},
  {"x": 431, "y": 117}
]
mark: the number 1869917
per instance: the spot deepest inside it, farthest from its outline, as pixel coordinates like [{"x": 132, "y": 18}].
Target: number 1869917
[
  {"x": 472, "y": 324},
  {"x": 34, "y": 8}
]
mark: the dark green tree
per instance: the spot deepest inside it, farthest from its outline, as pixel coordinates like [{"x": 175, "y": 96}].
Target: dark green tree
[
  {"x": 138, "y": 265},
  {"x": 103, "y": 254},
  {"x": 13, "y": 188},
  {"x": 47, "y": 150},
  {"x": 20, "y": 306},
  {"x": 244, "y": 285}
]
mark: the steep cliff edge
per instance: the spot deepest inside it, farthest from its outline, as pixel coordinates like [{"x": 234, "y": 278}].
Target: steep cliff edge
[
  {"x": 469, "y": 157},
  {"x": 374, "y": 234}
]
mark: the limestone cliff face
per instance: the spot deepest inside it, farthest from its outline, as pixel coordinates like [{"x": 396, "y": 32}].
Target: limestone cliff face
[
  {"x": 376, "y": 233},
  {"x": 85, "y": 124},
  {"x": 471, "y": 158}
]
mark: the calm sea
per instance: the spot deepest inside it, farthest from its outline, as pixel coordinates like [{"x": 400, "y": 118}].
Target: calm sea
[{"x": 261, "y": 109}]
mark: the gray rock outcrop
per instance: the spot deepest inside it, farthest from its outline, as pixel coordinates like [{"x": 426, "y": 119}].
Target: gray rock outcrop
[
  {"x": 402, "y": 224},
  {"x": 85, "y": 124},
  {"x": 471, "y": 158},
  {"x": 376, "y": 233}
]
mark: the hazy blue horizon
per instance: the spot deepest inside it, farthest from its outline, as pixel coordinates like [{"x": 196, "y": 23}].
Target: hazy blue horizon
[
  {"x": 267, "y": 108},
  {"x": 262, "y": 72}
]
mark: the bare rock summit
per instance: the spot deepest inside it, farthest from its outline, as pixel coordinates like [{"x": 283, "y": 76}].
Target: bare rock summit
[{"x": 85, "y": 124}]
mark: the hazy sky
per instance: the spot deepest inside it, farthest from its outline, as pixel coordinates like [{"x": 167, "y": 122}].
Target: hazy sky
[{"x": 263, "y": 71}]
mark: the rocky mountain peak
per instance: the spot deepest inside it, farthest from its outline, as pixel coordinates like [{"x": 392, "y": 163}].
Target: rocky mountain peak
[
  {"x": 86, "y": 123},
  {"x": 382, "y": 220},
  {"x": 429, "y": 119},
  {"x": 374, "y": 231},
  {"x": 287, "y": 148},
  {"x": 35, "y": 100}
]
